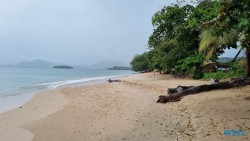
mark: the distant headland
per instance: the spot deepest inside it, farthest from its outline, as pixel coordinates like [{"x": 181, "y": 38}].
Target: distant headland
[{"x": 119, "y": 68}]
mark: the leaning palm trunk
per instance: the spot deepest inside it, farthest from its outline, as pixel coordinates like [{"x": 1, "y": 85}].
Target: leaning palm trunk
[
  {"x": 246, "y": 44},
  {"x": 236, "y": 56}
]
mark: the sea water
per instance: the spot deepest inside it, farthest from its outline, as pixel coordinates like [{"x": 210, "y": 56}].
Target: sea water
[{"x": 18, "y": 85}]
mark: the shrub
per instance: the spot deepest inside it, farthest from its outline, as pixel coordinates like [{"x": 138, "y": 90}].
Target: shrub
[{"x": 198, "y": 75}]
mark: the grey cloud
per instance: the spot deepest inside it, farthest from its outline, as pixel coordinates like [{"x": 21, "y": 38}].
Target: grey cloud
[{"x": 77, "y": 32}]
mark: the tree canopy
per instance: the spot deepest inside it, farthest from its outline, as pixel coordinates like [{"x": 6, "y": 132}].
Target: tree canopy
[
  {"x": 231, "y": 25},
  {"x": 140, "y": 63},
  {"x": 184, "y": 36}
]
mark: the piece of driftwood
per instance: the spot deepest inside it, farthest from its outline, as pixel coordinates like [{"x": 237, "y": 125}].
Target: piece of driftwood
[
  {"x": 110, "y": 81},
  {"x": 175, "y": 94}
]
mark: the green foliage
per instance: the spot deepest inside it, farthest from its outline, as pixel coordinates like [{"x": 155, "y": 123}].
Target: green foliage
[
  {"x": 219, "y": 75},
  {"x": 189, "y": 62},
  {"x": 190, "y": 65},
  {"x": 179, "y": 31},
  {"x": 231, "y": 25},
  {"x": 198, "y": 75},
  {"x": 212, "y": 40},
  {"x": 204, "y": 11},
  {"x": 232, "y": 20},
  {"x": 209, "y": 42},
  {"x": 236, "y": 69},
  {"x": 235, "y": 14},
  {"x": 141, "y": 63},
  {"x": 174, "y": 40},
  {"x": 168, "y": 23},
  {"x": 168, "y": 53}
]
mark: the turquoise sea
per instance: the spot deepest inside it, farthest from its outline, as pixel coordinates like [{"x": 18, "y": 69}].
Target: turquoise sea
[{"x": 18, "y": 85}]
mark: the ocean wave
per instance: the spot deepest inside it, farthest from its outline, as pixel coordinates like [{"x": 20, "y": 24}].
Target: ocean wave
[
  {"x": 52, "y": 85},
  {"x": 56, "y": 84}
]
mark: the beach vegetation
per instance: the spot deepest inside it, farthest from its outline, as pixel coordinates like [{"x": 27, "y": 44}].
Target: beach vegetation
[
  {"x": 218, "y": 75},
  {"x": 173, "y": 39},
  {"x": 191, "y": 65},
  {"x": 174, "y": 43},
  {"x": 231, "y": 25},
  {"x": 140, "y": 63},
  {"x": 236, "y": 69},
  {"x": 185, "y": 36}
]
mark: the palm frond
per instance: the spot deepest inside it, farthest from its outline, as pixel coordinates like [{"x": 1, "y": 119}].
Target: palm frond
[
  {"x": 209, "y": 42},
  {"x": 210, "y": 53},
  {"x": 206, "y": 39}
]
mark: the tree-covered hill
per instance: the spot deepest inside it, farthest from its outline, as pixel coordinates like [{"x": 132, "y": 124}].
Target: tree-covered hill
[{"x": 184, "y": 36}]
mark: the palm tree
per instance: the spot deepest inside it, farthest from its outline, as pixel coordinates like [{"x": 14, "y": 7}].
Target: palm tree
[
  {"x": 209, "y": 43},
  {"x": 232, "y": 14}
]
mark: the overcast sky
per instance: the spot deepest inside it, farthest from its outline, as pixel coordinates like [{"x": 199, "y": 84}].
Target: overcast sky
[{"x": 75, "y": 32}]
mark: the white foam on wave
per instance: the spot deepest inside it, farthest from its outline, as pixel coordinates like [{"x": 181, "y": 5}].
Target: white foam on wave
[{"x": 56, "y": 84}]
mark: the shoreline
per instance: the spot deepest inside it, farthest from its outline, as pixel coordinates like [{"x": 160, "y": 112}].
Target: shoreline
[
  {"x": 127, "y": 111},
  {"x": 8, "y": 103},
  {"x": 11, "y": 102},
  {"x": 40, "y": 106}
]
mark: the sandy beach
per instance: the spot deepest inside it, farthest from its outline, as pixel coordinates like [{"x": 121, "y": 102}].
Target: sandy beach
[{"x": 128, "y": 111}]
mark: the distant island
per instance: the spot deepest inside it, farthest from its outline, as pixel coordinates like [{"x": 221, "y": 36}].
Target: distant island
[
  {"x": 62, "y": 67},
  {"x": 119, "y": 68},
  {"x": 106, "y": 64}
]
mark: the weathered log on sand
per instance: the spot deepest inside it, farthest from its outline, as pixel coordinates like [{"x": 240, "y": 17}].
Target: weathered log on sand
[
  {"x": 175, "y": 94},
  {"x": 110, "y": 81},
  {"x": 169, "y": 98}
]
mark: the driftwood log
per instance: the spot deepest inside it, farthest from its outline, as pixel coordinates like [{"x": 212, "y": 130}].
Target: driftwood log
[
  {"x": 175, "y": 94},
  {"x": 110, "y": 81}
]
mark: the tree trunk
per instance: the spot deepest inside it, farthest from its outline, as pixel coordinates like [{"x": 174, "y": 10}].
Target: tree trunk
[
  {"x": 247, "y": 62},
  {"x": 237, "y": 55}
]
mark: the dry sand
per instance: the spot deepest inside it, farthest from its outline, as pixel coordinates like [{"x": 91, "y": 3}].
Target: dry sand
[{"x": 127, "y": 111}]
